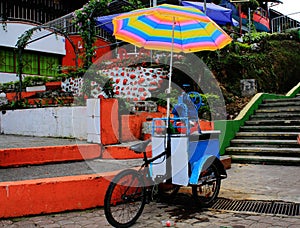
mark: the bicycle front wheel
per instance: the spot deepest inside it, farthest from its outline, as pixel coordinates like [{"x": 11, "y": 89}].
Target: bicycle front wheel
[{"x": 125, "y": 198}]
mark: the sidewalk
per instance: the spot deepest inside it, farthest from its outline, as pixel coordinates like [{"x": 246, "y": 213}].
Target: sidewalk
[
  {"x": 17, "y": 141},
  {"x": 255, "y": 182},
  {"x": 243, "y": 182}
]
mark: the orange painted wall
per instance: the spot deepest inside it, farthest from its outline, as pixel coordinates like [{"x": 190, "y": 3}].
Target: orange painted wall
[
  {"x": 109, "y": 121},
  {"x": 69, "y": 58},
  {"x": 131, "y": 128},
  {"x": 12, "y": 96},
  {"x": 51, "y": 195},
  {"x": 132, "y": 125}
]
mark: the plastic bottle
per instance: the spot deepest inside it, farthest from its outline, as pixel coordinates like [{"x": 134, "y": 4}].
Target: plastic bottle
[{"x": 168, "y": 223}]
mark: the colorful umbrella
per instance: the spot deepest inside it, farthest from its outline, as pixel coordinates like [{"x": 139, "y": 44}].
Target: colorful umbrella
[
  {"x": 152, "y": 28},
  {"x": 170, "y": 28}
]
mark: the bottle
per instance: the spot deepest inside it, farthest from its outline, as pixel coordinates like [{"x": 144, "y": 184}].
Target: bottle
[{"x": 168, "y": 223}]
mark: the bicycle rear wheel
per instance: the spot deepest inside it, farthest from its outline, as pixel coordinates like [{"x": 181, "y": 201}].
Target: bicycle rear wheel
[
  {"x": 125, "y": 198},
  {"x": 207, "y": 191}
]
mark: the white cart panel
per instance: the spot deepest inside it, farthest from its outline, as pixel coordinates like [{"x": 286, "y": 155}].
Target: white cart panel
[{"x": 179, "y": 159}]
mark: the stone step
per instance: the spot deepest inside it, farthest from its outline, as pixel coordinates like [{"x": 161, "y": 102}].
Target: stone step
[
  {"x": 276, "y": 116},
  {"x": 267, "y": 160},
  {"x": 289, "y": 109},
  {"x": 270, "y": 134},
  {"x": 267, "y": 135},
  {"x": 273, "y": 122},
  {"x": 264, "y": 143},
  {"x": 295, "y": 99},
  {"x": 265, "y": 151},
  {"x": 280, "y": 104},
  {"x": 74, "y": 168},
  {"x": 253, "y": 128}
]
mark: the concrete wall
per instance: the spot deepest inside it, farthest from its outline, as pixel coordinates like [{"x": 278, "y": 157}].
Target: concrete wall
[
  {"x": 51, "y": 44},
  {"x": 52, "y": 122}
]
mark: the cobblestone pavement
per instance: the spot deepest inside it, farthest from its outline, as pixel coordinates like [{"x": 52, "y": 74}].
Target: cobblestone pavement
[
  {"x": 154, "y": 214},
  {"x": 256, "y": 182}
]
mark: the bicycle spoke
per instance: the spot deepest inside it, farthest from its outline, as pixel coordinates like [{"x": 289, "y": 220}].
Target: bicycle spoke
[{"x": 125, "y": 199}]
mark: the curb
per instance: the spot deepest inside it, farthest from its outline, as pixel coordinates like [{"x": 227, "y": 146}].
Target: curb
[
  {"x": 50, "y": 195},
  {"x": 59, "y": 194},
  {"x": 48, "y": 154}
]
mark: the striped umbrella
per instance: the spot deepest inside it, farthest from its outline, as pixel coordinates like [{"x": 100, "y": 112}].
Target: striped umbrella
[{"x": 170, "y": 28}]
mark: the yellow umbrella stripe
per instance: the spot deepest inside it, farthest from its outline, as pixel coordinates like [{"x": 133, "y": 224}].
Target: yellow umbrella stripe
[{"x": 208, "y": 30}]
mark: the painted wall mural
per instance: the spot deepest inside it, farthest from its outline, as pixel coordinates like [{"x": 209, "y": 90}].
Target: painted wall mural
[{"x": 135, "y": 84}]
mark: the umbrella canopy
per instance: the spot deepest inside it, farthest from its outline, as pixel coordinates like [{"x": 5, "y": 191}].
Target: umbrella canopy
[
  {"x": 219, "y": 14},
  {"x": 170, "y": 28}
]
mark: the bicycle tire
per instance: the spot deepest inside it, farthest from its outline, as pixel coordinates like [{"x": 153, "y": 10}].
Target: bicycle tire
[
  {"x": 206, "y": 193},
  {"x": 125, "y": 198}
]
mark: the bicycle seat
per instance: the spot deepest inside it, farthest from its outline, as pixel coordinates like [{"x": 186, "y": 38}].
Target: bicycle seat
[{"x": 140, "y": 147}]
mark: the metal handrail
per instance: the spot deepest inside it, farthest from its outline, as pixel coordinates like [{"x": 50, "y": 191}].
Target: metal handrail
[{"x": 284, "y": 22}]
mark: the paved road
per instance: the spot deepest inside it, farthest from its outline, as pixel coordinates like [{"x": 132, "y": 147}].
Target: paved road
[{"x": 258, "y": 182}]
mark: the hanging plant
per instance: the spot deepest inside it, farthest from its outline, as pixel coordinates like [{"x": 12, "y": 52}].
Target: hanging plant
[
  {"x": 85, "y": 23},
  {"x": 84, "y": 20}
]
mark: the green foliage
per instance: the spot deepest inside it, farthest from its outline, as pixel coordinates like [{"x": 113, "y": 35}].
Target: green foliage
[
  {"x": 85, "y": 22},
  {"x": 27, "y": 82},
  {"x": 256, "y": 37},
  {"x": 161, "y": 98},
  {"x": 211, "y": 102},
  {"x": 17, "y": 104},
  {"x": 271, "y": 62},
  {"x": 4, "y": 25},
  {"x": 24, "y": 38},
  {"x": 124, "y": 106},
  {"x": 252, "y": 4}
]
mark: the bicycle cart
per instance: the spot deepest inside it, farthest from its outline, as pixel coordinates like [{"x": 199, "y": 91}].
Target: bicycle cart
[{"x": 180, "y": 157}]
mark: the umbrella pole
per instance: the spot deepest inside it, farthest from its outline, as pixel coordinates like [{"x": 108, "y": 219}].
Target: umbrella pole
[
  {"x": 168, "y": 141},
  {"x": 170, "y": 72}
]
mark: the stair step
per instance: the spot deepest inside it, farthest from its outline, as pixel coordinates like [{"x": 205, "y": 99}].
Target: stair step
[
  {"x": 278, "y": 109},
  {"x": 266, "y": 160},
  {"x": 268, "y": 135},
  {"x": 276, "y": 115},
  {"x": 264, "y": 143},
  {"x": 273, "y": 122},
  {"x": 280, "y": 104},
  {"x": 66, "y": 169},
  {"x": 297, "y": 99},
  {"x": 270, "y": 128},
  {"x": 263, "y": 150}
]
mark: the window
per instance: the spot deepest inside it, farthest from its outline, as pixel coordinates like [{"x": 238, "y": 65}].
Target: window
[
  {"x": 48, "y": 65},
  {"x": 7, "y": 61},
  {"x": 33, "y": 62}
]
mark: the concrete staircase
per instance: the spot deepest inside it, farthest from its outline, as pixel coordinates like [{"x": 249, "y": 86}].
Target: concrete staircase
[{"x": 270, "y": 135}]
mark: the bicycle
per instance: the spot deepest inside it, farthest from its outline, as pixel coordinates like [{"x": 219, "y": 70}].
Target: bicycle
[{"x": 131, "y": 189}]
